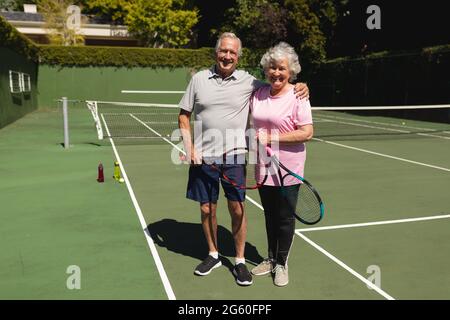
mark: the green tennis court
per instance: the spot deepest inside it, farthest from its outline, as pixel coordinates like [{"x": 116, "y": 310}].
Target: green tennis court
[{"x": 384, "y": 182}]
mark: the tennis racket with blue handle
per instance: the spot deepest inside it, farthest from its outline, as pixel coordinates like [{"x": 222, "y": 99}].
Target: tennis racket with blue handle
[{"x": 308, "y": 207}]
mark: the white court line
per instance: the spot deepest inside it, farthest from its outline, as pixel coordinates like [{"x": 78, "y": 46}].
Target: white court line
[
  {"x": 383, "y": 155},
  {"x": 346, "y": 267},
  {"x": 365, "y": 125},
  {"x": 157, "y": 133},
  {"x": 151, "y": 244},
  {"x": 254, "y": 202},
  {"x": 375, "y": 223},
  {"x": 379, "y": 128},
  {"x": 432, "y": 135}
]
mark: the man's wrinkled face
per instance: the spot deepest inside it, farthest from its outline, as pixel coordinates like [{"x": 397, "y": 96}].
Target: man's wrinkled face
[{"x": 227, "y": 56}]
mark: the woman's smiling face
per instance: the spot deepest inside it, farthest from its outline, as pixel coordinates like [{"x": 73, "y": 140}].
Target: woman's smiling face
[{"x": 278, "y": 74}]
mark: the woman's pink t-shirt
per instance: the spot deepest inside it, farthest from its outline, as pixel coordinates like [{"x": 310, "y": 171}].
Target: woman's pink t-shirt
[{"x": 283, "y": 113}]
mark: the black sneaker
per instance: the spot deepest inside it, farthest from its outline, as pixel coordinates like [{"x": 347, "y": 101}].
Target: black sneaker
[
  {"x": 207, "y": 266},
  {"x": 243, "y": 276}
]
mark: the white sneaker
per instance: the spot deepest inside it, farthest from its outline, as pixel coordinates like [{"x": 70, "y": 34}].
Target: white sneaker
[
  {"x": 281, "y": 275},
  {"x": 265, "y": 267}
]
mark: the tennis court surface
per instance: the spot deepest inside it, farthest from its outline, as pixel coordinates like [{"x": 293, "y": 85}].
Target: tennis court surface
[{"x": 384, "y": 181}]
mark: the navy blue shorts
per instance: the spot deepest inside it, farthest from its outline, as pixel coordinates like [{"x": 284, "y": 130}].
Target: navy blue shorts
[{"x": 203, "y": 184}]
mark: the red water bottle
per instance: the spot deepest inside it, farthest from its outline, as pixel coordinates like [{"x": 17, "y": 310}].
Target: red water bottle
[{"x": 100, "y": 177}]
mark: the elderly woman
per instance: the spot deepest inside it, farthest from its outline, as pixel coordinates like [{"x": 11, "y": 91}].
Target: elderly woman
[{"x": 283, "y": 123}]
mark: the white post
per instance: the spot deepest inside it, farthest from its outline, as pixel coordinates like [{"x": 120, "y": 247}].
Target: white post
[{"x": 66, "y": 123}]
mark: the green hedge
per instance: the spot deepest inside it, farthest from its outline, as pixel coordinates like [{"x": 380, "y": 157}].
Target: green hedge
[
  {"x": 123, "y": 56},
  {"x": 135, "y": 57},
  {"x": 13, "y": 39}
]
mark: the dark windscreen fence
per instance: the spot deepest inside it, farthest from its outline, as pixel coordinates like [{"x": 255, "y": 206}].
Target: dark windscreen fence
[{"x": 386, "y": 79}]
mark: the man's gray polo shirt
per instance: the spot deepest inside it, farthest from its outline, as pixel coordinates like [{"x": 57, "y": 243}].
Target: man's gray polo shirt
[{"x": 220, "y": 107}]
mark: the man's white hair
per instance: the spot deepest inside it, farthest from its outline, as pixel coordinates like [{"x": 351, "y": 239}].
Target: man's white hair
[
  {"x": 230, "y": 35},
  {"x": 279, "y": 52}
]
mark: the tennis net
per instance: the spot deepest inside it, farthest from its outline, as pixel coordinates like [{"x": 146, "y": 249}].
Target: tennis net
[
  {"x": 133, "y": 120},
  {"x": 155, "y": 121},
  {"x": 378, "y": 123}
]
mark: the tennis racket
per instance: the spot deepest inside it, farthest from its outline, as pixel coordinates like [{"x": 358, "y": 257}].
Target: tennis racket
[
  {"x": 254, "y": 174},
  {"x": 308, "y": 207}
]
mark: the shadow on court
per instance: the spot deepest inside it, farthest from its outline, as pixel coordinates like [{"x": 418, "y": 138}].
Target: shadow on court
[{"x": 188, "y": 239}]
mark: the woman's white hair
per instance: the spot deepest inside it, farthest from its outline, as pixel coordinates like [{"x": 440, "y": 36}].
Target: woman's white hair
[
  {"x": 230, "y": 35},
  {"x": 279, "y": 52}
]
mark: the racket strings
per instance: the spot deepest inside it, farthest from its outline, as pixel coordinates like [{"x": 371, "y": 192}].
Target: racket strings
[
  {"x": 250, "y": 175},
  {"x": 255, "y": 173},
  {"x": 308, "y": 207}
]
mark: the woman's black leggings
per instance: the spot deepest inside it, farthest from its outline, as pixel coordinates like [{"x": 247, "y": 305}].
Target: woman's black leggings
[{"x": 280, "y": 223}]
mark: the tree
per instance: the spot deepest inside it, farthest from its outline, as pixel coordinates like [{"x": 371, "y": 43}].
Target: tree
[
  {"x": 312, "y": 23},
  {"x": 258, "y": 23},
  {"x": 305, "y": 24},
  {"x": 112, "y": 10},
  {"x": 156, "y": 23},
  {"x": 161, "y": 23},
  {"x": 59, "y": 22}
]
